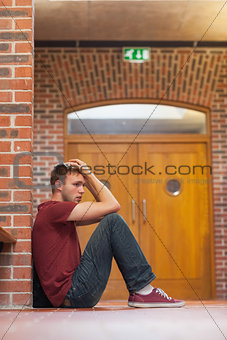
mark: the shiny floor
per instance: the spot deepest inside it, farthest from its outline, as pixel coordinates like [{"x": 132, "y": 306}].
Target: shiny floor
[{"x": 115, "y": 320}]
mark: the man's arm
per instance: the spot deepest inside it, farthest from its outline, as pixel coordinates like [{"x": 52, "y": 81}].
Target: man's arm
[
  {"x": 105, "y": 201},
  {"x": 88, "y": 222}
]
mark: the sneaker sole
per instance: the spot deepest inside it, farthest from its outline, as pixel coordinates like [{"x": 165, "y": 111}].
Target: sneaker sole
[{"x": 156, "y": 305}]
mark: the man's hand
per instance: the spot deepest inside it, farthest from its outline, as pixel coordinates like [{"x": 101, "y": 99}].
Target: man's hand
[{"x": 83, "y": 168}]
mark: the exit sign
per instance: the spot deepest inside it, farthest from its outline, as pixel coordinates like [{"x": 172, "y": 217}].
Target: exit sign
[{"x": 136, "y": 55}]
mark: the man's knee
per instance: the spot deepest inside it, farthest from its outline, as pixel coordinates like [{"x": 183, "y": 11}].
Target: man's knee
[
  {"x": 115, "y": 221},
  {"x": 111, "y": 222},
  {"x": 113, "y": 217}
]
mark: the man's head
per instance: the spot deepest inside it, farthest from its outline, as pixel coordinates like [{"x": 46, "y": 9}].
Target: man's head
[{"x": 68, "y": 182}]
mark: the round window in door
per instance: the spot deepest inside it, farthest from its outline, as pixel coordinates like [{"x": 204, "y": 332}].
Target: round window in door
[
  {"x": 173, "y": 187},
  {"x": 106, "y": 183}
]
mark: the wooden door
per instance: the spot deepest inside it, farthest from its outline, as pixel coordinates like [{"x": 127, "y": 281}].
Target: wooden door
[
  {"x": 121, "y": 185},
  {"x": 175, "y": 235}
]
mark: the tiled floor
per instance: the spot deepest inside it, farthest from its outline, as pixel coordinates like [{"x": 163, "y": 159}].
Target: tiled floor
[{"x": 115, "y": 320}]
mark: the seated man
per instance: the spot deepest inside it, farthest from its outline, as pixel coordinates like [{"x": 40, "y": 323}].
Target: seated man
[{"x": 71, "y": 280}]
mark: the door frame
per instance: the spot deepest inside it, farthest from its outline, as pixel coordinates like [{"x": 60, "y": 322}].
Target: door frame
[{"x": 155, "y": 138}]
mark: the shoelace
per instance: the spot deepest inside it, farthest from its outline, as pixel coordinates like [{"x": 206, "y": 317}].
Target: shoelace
[{"x": 161, "y": 292}]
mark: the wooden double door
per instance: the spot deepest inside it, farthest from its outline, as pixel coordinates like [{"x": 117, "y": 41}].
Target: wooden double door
[{"x": 164, "y": 193}]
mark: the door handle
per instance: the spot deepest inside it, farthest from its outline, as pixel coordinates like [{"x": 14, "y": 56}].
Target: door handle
[
  {"x": 144, "y": 210},
  {"x": 133, "y": 211}
]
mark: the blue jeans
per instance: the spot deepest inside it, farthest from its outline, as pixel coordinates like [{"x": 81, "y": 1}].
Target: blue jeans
[{"x": 111, "y": 238}]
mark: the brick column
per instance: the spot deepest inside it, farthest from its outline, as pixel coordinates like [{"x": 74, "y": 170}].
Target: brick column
[
  {"x": 16, "y": 113},
  {"x": 219, "y": 156}
]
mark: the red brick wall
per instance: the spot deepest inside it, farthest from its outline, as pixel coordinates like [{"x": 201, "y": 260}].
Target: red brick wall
[
  {"x": 66, "y": 77},
  {"x": 16, "y": 89}
]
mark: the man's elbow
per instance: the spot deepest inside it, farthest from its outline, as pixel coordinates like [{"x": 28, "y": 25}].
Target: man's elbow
[{"x": 116, "y": 207}]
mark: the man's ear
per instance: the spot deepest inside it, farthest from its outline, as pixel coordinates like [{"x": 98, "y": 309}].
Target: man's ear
[{"x": 58, "y": 184}]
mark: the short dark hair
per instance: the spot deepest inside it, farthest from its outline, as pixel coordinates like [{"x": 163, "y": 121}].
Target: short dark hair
[{"x": 60, "y": 171}]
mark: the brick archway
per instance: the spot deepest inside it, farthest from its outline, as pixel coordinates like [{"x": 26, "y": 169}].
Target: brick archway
[{"x": 66, "y": 78}]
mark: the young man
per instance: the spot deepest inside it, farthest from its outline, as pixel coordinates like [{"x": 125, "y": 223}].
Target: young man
[{"x": 71, "y": 280}]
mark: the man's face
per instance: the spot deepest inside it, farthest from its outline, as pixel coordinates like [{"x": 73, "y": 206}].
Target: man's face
[{"x": 73, "y": 188}]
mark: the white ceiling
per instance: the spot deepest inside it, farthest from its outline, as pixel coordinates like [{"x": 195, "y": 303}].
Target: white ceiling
[{"x": 133, "y": 20}]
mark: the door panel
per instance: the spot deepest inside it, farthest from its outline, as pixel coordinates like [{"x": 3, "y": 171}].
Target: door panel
[
  {"x": 176, "y": 235},
  {"x": 122, "y": 187}
]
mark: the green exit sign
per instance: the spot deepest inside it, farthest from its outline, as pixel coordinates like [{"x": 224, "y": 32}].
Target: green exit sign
[{"x": 136, "y": 55}]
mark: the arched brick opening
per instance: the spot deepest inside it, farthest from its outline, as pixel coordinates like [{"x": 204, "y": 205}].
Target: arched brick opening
[{"x": 66, "y": 78}]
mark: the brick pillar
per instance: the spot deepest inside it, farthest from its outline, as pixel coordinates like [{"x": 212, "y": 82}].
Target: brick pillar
[
  {"x": 219, "y": 156},
  {"x": 16, "y": 113}
]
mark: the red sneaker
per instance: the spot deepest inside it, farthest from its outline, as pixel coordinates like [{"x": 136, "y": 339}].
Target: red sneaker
[{"x": 157, "y": 298}]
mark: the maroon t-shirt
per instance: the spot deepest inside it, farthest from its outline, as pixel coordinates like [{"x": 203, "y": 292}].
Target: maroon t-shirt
[{"x": 56, "y": 249}]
